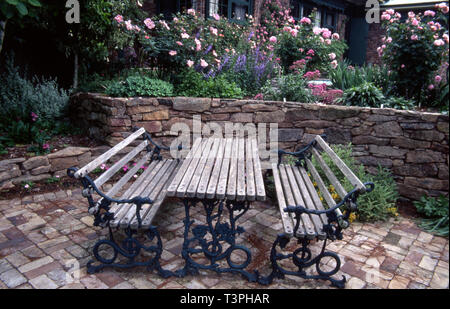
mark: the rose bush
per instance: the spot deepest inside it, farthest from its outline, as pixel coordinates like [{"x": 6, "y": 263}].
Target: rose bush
[{"x": 415, "y": 49}]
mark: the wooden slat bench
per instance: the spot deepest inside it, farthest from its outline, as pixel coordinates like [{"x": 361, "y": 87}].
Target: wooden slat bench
[
  {"x": 300, "y": 190},
  {"x": 139, "y": 197}
]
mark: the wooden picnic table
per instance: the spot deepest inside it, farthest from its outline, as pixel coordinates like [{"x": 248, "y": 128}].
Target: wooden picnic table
[{"x": 220, "y": 168}]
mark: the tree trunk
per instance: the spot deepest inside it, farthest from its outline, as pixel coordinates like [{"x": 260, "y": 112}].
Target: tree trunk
[
  {"x": 2, "y": 32},
  {"x": 75, "y": 71}
]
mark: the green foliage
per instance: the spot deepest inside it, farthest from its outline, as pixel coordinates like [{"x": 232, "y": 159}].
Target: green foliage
[
  {"x": 436, "y": 210},
  {"x": 193, "y": 84},
  {"x": 414, "y": 49},
  {"x": 399, "y": 103},
  {"x": 20, "y": 8},
  {"x": 366, "y": 94},
  {"x": 20, "y": 96},
  {"x": 376, "y": 205},
  {"x": 140, "y": 85},
  {"x": 291, "y": 87}
]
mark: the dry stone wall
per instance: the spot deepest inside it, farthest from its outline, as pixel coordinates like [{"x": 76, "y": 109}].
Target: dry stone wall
[{"x": 413, "y": 145}]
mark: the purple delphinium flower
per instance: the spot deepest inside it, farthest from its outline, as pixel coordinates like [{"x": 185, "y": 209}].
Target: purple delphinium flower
[{"x": 208, "y": 49}]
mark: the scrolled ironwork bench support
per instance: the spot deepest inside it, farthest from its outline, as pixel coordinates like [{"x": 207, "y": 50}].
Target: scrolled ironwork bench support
[
  {"x": 131, "y": 246},
  {"x": 221, "y": 234},
  {"x": 311, "y": 221}
]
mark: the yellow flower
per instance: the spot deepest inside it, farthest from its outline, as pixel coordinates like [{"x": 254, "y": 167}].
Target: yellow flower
[
  {"x": 315, "y": 184},
  {"x": 352, "y": 217}
]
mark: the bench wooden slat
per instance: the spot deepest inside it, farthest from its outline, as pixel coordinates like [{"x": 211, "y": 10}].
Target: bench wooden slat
[
  {"x": 222, "y": 184},
  {"x": 141, "y": 182},
  {"x": 147, "y": 219},
  {"x": 212, "y": 185},
  {"x": 306, "y": 220},
  {"x": 206, "y": 174},
  {"x": 193, "y": 184},
  {"x": 119, "y": 164},
  {"x": 331, "y": 177},
  {"x": 147, "y": 188},
  {"x": 322, "y": 187},
  {"x": 311, "y": 199},
  {"x": 171, "y": 190},
  {"x": 107, "y": 155},
  {"x": 155, "y": 194},
  {"x": 250, "y": 173},
  {"x": 285, "y": 218},
  {"x": 134, "y": 185},
  {"x": 290, "y": 198},
  {"x": 232, "y": 176},
  {"x": 340, "y": 164},
  {"x": 259, "y": 182},
  {"x": 240, "y": 181}
]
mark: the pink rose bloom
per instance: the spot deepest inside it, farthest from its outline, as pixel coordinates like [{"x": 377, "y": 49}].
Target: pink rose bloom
[
  {"x": 445, "y": 37},
  {"x": 149, "y": 23},
  {"x": 128, "y": 25},
  {"x": 213, "y": 30},
  {"x": 334, "y": 64},
  {"x": 294, "y": 32},
  {"x": 385, "y": 16},
  {"x": 305, "y": 20},
  {"x": 191, "y": 12},
  {"x": 411, "y": 14},
  {"x": 414, "y": 37},
  {"x": 216, "y": 16},
  {"x": 390, "y": 12},
  {"x": 402, "y": 66},
  {"x": 429, "y": 13},
  {"x": 162, "y": 22},
  {"x": 335, "y": 36},
  {"x": 437, "y": 79},
  {"x": 203, "y": 63},
  {"x": 175, "y": 19},
  {"x": 273, "y": 39},
  {"x": 119, "y": 18},
  {"x": 310, "y": 52},
  {"x": 415, "y": 22},
  {"x": 172, "y": 52},
  {"x": 326, "y": 34},
  {"x": 438, "y": 42},
  {"x": 185, "y": 35},
  {"x": 430, "y": 87},
  {"x": 389, "y": 40},
  {"x": 332, "y": 56},
  {"x": 317, "y": 30},
  {"x": 190, "y": 63},
  {"x": 328, "y": 41},
  {"x": 179, "y": 43}
]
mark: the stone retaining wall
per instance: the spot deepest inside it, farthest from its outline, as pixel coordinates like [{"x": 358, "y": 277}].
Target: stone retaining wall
[
  {"x": 413, "y": 145},
  {"x": 15, "y": 171}
]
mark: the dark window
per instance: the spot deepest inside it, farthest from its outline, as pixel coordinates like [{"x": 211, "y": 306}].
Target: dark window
[
  {"x": 301, "y": 9},
  {"x": 328, "y": 19},
  {"x": 234, "y": 10},
  {"x": 170, "y": 7}
]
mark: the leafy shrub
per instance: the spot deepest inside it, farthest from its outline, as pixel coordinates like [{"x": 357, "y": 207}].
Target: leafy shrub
[
  {"x": 376, "y": 205},
  {"x": 194, "y": 84},
  {"x": 19, "y": 97},
  {"x": 436, "y": 211},
  {"x": 366, "y": 94},
  {"x": 139, "y": 85},
  {"x": 291, "y": 87},
  {"x": 414, "y": 48},
  {"x": 399, "y": 103}
]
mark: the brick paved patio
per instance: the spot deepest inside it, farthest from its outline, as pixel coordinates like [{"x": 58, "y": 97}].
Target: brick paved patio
[{"x": 42, "y": 235}]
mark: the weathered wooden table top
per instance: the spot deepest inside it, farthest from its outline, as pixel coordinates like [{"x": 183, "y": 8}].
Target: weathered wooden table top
[{"x": 220, "y": 168}]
